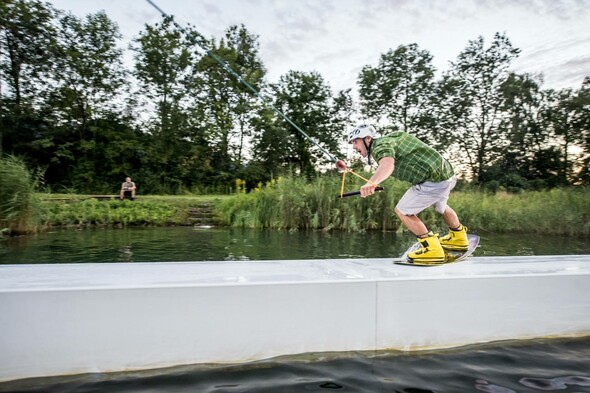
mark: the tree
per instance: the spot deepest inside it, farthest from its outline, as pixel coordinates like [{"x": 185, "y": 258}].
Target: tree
[
  {"x": 269, "y": 146},
  {"x": 87, "y": 84},
  {"x": 569, "y": 119},
  {"x": 27, "y": 37},
  {"x": 163, "y": 67},
  {"x": 471, "y": 103},
  {"x": 245, "y": 60},
  {"x": 113, "y": 152},
  {"x": 228, "y": 104},
  {"x": 306, "y": 99},
  {"x": 398, "y": 89},
  {"x": 65, "y": 75},
  {"x": 89, "y": 73},
  {"x": 583, "y": 134},
  {"x": 528, "y": 153}
]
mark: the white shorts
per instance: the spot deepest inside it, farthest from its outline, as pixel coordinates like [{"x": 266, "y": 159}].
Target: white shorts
[{"x": 424, "y": 195}]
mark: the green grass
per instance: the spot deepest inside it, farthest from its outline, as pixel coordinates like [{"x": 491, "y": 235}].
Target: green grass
[{"x": 82, "y": 210}]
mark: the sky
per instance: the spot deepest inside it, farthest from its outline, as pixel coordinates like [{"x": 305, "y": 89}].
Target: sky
[{"x": 337, "y": 38}]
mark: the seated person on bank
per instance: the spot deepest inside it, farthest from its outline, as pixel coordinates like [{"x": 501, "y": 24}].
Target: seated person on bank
[{"x": 128, "y": 189}]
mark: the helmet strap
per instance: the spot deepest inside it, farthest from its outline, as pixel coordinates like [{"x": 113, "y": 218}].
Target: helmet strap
[{"x": 368, "y": 148}]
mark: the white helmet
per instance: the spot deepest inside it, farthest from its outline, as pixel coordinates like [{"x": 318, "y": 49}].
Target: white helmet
[{"x": 361, "y": 131}]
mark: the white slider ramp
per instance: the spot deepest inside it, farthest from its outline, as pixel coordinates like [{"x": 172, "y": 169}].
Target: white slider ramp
[{"x": 84, "y": 318}]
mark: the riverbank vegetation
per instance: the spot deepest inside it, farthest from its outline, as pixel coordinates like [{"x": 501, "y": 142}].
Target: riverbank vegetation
[
  {"x": 292, "y": 203},
  {"x": 289, "y": 203}
]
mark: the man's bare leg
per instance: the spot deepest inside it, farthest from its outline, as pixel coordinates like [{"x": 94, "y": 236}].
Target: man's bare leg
[
  {"x": 451, "y": 218},
  {"x": 413, "y": 223}
]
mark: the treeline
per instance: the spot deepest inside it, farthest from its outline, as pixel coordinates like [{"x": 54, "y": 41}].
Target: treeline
[{"x": 176, "y": 121}]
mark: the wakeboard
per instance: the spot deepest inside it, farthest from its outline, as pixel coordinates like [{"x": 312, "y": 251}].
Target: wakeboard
[{"x": 450, "y": 255}]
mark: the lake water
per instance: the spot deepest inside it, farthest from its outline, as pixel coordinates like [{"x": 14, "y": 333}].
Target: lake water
[
  {"x": 198, "y": 244},
  {"x": 561, "y": 365}
]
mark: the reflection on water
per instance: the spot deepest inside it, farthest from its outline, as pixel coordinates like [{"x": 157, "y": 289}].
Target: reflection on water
[
  {"x": 501, "y": 367},
  {"x": 194, "y": 244},
  {"x": 125, "y": 253},
  {"x": 538, "y": 384},
  {"x": 560, "y": 383}
]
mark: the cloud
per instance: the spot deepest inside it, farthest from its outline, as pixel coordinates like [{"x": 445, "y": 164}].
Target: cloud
[
  {"x": 212, "y": 9},
  {"x": 300, "y": 21},
  {"x": 339, "y": 37},
  {"x": 563, "y": 61},
  {"x": 570, "y": 73}
]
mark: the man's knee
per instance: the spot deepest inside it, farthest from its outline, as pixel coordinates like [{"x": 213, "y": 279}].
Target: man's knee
[{"x": 400, "y": 213}]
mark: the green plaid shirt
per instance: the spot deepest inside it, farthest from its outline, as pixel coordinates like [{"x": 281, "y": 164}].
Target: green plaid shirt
[{"x": 415, "y": 161}]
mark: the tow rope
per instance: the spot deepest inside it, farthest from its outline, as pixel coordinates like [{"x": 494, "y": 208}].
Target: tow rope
[{"x": 352, "y": 193}]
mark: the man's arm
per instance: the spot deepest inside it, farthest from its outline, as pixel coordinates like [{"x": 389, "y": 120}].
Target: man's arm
[{"x": 384, "y": 170}]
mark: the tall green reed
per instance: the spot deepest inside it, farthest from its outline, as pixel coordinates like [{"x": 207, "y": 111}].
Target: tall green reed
[
  {"x": 560, "y": 211},
  {"x": 292, "y": 203},
  {"x": 19, "y": 205}
]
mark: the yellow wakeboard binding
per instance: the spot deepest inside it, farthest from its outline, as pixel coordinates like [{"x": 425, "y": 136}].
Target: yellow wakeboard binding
[
  {"x": 455, "y": 240},
  {"x": 430, "y": 252}
]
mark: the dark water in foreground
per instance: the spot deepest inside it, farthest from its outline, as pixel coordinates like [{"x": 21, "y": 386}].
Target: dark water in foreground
[{"x": 560, "y": 365}]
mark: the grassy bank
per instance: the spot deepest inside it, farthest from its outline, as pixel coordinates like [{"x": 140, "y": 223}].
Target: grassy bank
[
  {"x": 80, "y": 210},
  {"x": 293, "y": 203}
]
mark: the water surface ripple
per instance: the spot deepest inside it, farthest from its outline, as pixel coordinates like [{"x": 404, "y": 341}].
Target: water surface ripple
[{"x": 561, "y": 365}]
